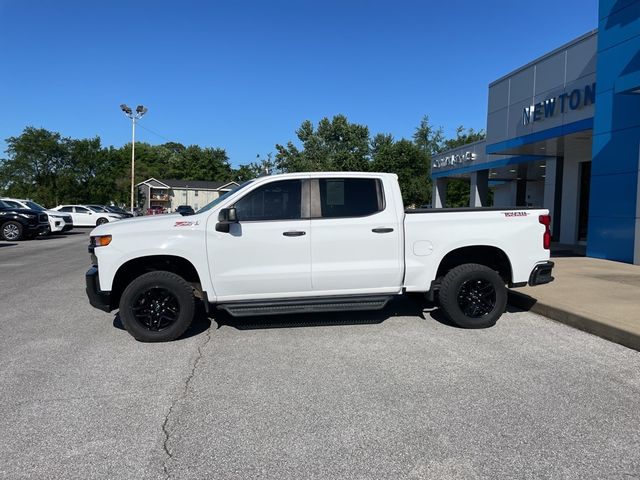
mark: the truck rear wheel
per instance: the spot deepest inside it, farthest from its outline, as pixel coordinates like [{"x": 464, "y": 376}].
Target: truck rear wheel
[
  {"x": 473, "y": 296},
  {"x": 157, "y": 307}
]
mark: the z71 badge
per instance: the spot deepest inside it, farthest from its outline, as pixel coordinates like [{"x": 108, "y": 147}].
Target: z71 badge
[{"x": 186, "y": 224}]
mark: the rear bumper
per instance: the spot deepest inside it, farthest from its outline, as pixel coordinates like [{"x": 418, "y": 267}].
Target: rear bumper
[
  {"x": 541, "y": 274},
  {"x": 97, "y": 298}
]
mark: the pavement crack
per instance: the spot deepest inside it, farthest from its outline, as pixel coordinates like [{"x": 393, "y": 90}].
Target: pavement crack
[{"x": 165, "y": 424}]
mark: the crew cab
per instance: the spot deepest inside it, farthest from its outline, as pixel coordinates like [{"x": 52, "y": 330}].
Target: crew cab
[
  {"x": 314, "y": 242},
  {"x": 21, "y": 223}
]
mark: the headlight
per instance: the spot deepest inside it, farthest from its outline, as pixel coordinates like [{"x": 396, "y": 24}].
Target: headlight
[
  {"x": 100, "y": 241},
  {"x": 27, "y": 215}
]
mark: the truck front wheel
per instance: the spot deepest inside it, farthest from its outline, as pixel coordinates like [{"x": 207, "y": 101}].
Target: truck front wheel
[
  {"x": 473, "y": 296},
  {"x": 157, "y": 307}
]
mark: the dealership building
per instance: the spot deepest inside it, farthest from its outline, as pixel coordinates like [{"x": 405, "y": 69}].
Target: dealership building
[{"x": 563, "y": 132}]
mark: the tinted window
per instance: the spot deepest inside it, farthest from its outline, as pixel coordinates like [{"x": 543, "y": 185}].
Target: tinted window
[
  {"x": 81, "y": 210},
  {"x": 66, "y": 209},
  {"x": 349, "y": 197},
  {"x": 35, "y": 206},
  {"x": 13, "y": 204},
  {"x": 274, "y": 201}
]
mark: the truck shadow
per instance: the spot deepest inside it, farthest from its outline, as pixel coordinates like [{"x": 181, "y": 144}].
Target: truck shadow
[
  {"x": 404, "y": 306},
  {"x": 201, "y": 323},
  {"x": 8, "y": 244}
]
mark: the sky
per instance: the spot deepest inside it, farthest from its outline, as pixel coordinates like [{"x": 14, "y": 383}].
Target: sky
[{"x": 243, "y": 75}]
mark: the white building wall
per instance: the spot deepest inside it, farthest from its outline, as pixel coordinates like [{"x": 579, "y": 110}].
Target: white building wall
[
  {"x": 535, "y": 194},
  {"x": 504, "y": 195},
  {"x": 183, "y": 196}
]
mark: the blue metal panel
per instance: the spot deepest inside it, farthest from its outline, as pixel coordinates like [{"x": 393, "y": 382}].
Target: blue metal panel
[
  {"x": 609, "y": 238},
  {"x": 619, "y": 190},
  {"x": 616, "y": 153},
  {"x": 618, "y": 26},
  {"x": 610, "y": 68},
  {"x": 612, "y": 204},
  {"x": 579, "y": 126},
  {"x": 607, "y": 7}
]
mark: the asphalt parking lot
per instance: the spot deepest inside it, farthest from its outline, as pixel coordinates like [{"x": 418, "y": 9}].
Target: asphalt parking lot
[{"x": 397, "y": 394}]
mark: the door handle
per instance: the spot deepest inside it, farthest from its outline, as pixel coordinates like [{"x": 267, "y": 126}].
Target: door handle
[
  {"x": 294, "y": 234},
  {"x": 382, "y": 230}
]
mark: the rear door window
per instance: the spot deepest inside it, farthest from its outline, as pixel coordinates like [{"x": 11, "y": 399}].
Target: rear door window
[{"x": 350, "y": 197}]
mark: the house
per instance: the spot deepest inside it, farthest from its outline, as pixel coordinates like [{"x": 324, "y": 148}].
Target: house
[{"x": 169, "y": 194}]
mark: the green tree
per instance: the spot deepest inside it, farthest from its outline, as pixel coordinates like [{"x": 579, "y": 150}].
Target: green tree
[
  {"x": 336, "y": 145},
  {"x": 407, "y": 160},
  {"x": 38, "y": 160}
]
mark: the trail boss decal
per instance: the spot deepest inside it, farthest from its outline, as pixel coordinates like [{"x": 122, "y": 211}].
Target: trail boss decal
[
  {"x": 516, "y": 214},
  {"x": 186, "y": 224}
]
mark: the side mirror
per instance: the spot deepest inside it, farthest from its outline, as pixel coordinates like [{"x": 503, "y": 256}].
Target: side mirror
[{"x": 226, "y": 217}]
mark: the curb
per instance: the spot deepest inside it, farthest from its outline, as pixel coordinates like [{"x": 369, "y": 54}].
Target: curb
[{"x": 586, "y": 324}]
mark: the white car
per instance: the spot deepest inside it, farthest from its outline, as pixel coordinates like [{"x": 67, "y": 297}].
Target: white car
[
  {"x": 85, "y": 216},
  {"x": 58, "y": 221},
  {"x": 314, "y": 242}
]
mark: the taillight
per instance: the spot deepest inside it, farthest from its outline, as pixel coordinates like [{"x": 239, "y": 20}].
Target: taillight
[{"x": 546, "y": 238}]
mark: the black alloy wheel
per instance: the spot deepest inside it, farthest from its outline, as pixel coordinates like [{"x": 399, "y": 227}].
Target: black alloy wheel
[
  {"x": 473, "y": 296},
  {"x": 156, "y": 308},
  {"x": 476, "y": 298}
]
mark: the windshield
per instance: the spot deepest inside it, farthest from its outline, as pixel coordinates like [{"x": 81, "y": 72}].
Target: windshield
[
  {"x": 34, "y": 206},
  {"x": 97, "y": 208},
  {"x": 209, "y": 206},
  {"x": 3, "y": 205}
]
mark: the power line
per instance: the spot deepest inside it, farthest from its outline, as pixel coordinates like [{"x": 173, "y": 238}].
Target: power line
[{"x": 155, "y": 133}]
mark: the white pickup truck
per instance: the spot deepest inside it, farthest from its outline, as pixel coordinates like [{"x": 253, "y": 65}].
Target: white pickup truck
[{"x": 314, "y": 242}]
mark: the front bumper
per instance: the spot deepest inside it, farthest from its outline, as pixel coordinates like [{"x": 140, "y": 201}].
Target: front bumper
[
  {"x": 97, "y": 298},
  {"x": 37, "y": 228},
  {"x": 541, "y": 274}
]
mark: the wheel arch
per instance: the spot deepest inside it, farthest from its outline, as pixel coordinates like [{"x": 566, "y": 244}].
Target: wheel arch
[
  {"x": 132, "y": 269},
  {"x": 487, "y": 255}
]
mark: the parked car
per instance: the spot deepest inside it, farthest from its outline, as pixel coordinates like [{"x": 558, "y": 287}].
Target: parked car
[
  {"x": 83, "y": 216},
  {"x": 185, "y": 210},
  {"x": 21, "y": 223},
  {"x": 119, "y": 211},
  {"x": 103, "y": 209},
  {"x": 58, "y": 222},
  {"x": 155, "y": 210},
  {"x": 315, "y": 242}
]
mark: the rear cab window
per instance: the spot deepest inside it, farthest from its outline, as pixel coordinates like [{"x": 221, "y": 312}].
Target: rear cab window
[{"x": 350, "y": 197}]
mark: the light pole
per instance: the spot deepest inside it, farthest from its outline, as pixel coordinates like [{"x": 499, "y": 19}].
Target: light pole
[{"x": 140, "y": 111}]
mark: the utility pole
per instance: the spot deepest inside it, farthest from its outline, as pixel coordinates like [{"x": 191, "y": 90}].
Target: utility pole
[{"x": 140, "y": 111}]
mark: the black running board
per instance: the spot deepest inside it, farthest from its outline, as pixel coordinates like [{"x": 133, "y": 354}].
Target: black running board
[{"x": 304, "y": 305}]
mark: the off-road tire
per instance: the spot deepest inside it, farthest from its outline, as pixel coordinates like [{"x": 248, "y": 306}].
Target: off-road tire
[
  {"x": 134, "y": 306},
  {"x": 473, "y": 296}
]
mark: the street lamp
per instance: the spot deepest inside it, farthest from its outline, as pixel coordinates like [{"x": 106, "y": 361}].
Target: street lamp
[{"x": 140, "y": 111}]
